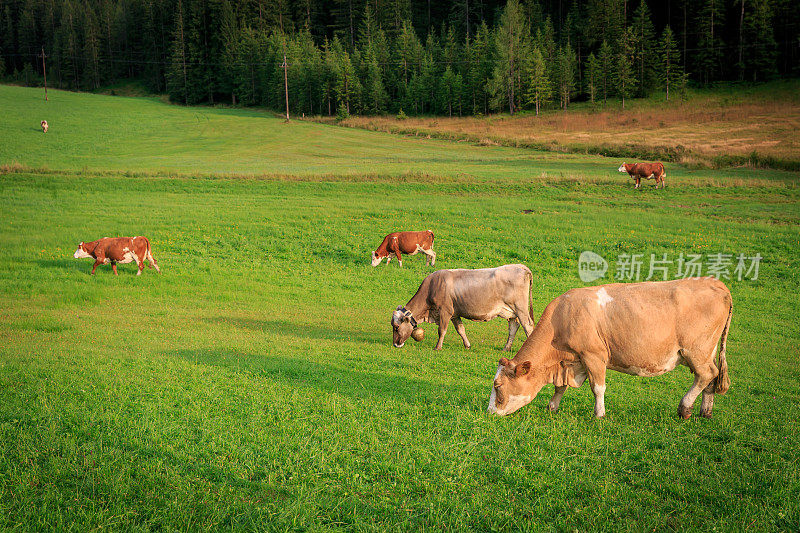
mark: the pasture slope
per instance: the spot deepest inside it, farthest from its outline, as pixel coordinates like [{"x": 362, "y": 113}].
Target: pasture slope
[{"x": 252, "y": 384}]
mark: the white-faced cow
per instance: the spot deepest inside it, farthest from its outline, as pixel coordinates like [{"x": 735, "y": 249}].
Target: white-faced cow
[
  {"x": 45, "y": 127},
  {"x": 481, "y": 294},
  {"x": 649, "y": 171},
  {"x": 643, "y": 329},
  {"x": 118, "y": 250},
  {"x": 405, "y": 242}
]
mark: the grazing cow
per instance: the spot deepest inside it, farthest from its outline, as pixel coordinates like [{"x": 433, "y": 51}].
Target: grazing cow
[
  {"x": 405, "y": 242},
  {"x": 44, "y": 126},
  {"x": 118, "y": 250},
  {"x": 481, "y": 294},
  {"x": 643, "y": 329},
  {"x": 637, "y": 171}
]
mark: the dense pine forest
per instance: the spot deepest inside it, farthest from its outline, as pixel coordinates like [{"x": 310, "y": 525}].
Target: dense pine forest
[{"x": 454, "y": 57}]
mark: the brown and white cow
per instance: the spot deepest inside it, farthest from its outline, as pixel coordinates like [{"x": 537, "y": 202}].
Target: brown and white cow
[
  {"x": 118, "y": 250},
  {"x": 44, "y": 126},
  {"x": 643, "y": 329},
  {"x": 481, "y": 294},
  {"x": 405, "y": 242},
  {"x": 637, "y": 171}
]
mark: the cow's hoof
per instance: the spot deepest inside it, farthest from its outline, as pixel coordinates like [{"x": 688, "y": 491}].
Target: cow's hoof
[
  {"x": 684, "y": 412},
  {"x": 706, "y": 414},
  {"x": 506, "y": 348}
]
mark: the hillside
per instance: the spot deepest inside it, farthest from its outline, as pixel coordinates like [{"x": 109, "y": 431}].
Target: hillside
[{"x": 712, "y": 128}]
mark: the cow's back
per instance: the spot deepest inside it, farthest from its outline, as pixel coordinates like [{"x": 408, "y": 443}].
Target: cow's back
[
  {"x": 479, "y": 294},
  {"x": 641, "y": 324}
]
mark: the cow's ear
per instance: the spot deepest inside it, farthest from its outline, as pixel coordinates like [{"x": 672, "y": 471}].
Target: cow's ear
[
  {"x": 523, "y": 369},
  {"x": 504, "y": 361}
]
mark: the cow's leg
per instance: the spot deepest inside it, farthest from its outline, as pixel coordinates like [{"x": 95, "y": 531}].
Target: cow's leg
[
  {"x": 444, "y": 318},
  {"x": 513, "y": 326},
  {"x": 461, "y": 331},
  {"x": 399, "y": 257},
  {"x": 708, "y": 401},
  {"x": 430, "y": 257},
  {"x": 704, "y": 375},
  {"x": 97, "y": 262},
  {"x": 638, "y": 182},
  {"x": 389, "y": 258},
  {"x": 114, "y": 267},
  {"x": 555, "y": 401},
  {"x": 596, "y": 368},
  {"x": 525, "y": 320}
]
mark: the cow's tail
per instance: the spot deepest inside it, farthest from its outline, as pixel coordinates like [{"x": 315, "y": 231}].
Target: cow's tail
[
  {"x": 151, "y": 262},
  {"x": 723, "y": 382},
  {"x": 530, "y": 297}
]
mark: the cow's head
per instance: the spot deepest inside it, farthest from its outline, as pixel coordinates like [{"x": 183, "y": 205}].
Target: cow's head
[
  {"x": 80, "y": 253},
  {"x": 515, "y": 385},
  {"x": 404, "y": 325},
  {"x": 376, "y": 259},
  {"x": 622, "y": 168}
]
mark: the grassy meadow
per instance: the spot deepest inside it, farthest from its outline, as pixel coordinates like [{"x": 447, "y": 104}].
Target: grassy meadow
[{"x": 252, "y": 384}]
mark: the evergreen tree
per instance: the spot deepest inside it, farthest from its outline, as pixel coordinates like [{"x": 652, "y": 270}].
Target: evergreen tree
[
  {"x": 177, "y": 75},
  {"x": 450, "y": 91},
  {"x": 593, "y": 76},
  {"x": 644, "y": 43},
  {"x": 624, "y": 71},
  {"x": 91, "y": 51},
  {"x": 708, "y": 57},
  {"x": 374, "y": 92},
  {"x": 539, "y": 89},
  {"x": 759, "y": 37},
  {"x": 481, "y": 67},
  {"x": 565, "y": 71},
  {"x": 607, "y": 68},
  {"x": 511, "y": 43},
  {"x": 670, "y": 73}
]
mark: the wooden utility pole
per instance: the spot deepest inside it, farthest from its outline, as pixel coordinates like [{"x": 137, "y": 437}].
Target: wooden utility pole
[
  {"x": 44, "y": 71},
  {"x": 285, "y": 67}
]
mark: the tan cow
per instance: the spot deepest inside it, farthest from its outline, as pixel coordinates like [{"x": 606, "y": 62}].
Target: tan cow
[
  {"x": 117, "y": 250},
  {"x": 44, "y": 126},
  {"x": 481, "y": 294},
  {"x": 643, "y": 329},
  {"x": 405, "y": 242}
]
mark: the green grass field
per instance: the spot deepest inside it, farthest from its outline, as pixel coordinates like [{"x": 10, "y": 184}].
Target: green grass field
[{"x": 252, "y": 384}]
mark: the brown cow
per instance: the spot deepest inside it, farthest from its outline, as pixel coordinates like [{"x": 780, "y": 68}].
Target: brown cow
[
  {"x": 649, "y": 171},
  {"x": 405, "y": 242},
  {"x": 481, "y": 294},
  {"x": 118, "y": 250},
  {"x": 44, "y": 126},
  {"x": 643, "y": 329}
]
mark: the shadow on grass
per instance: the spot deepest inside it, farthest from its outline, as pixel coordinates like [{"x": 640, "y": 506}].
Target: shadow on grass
[
  {"x": 303, "y": 331},
  {"x": 65, "y": 264},
  {"x": 357, "y": 383}
]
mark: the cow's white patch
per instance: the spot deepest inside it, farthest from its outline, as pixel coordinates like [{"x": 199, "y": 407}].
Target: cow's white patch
[
  {"x": 128, "y": 257},
  {"x": 516, "y": 402},
  {"x": 493, "y": 398},
  {"x": 622, "y": 168},
  {"x": 603, "y": 297},
  {"x": 599, "y": 400},
  {"x": 80, "y": 254},
  {"x": 399, "y": 345}
]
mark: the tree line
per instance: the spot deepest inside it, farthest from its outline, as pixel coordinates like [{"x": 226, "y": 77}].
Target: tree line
[{"x": 451, "y": 57}]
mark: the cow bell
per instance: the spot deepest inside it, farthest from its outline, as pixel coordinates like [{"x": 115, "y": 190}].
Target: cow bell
[{"x": 418, "y": 334}]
